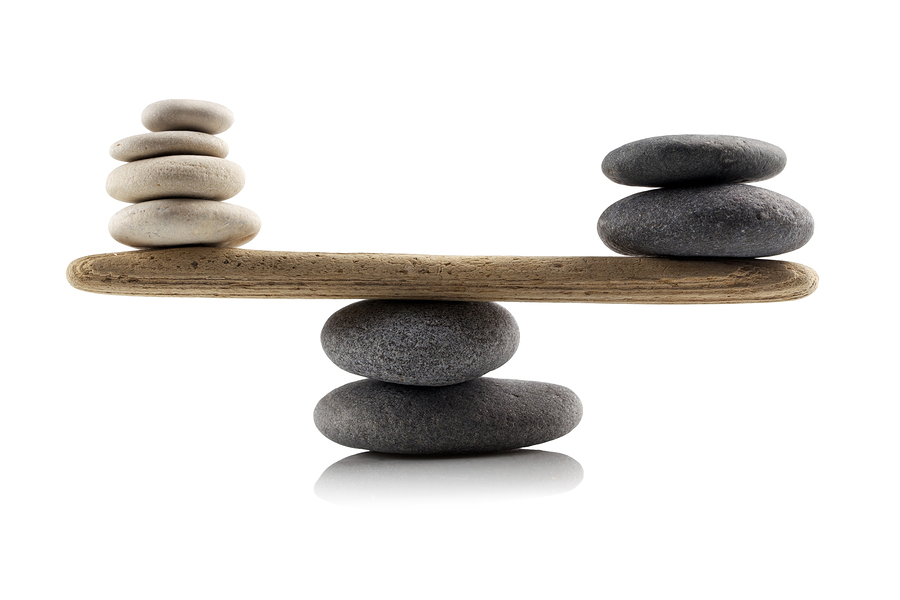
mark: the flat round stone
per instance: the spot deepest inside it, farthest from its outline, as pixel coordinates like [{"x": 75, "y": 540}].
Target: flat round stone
[
  {"x": 677, "y": 160},
  {"x": 735, "y": 221},
  {"x": 201, "y": 177},
  {"x": 167, "y": 143},
  {"x": 420, "y": 342},
  {"x": 481, "y": 415},
  {"x": 179, "y": 222},
  {"x": 187, "y": 115}
]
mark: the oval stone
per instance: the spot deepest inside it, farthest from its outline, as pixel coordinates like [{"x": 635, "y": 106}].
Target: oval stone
[
  {"x": 178, "y": 222},
  {"x": 167, "y": 143},
  {"x": 419, "y": 342},
  {"x": 678, "y": 160},
  {"x": 201, "y": 177},
  {"x": 187, "y": 115},
  {"x": 481, "y": 415},
  {"x": 735, "y": 221}
]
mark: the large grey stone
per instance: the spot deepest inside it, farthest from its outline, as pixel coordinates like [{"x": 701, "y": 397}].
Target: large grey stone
[
  {"x": 178, "y": 222},
  {"x": 187, "y": 115},
  {"x": 482, "y": 415},
  {"x": 201, "y": 177},
  {"x": 168, "y": 143},
  {"x": 735, "y": 221},
  {"x": 677, "y": 160},
  {"x": 420, "y": 342}
]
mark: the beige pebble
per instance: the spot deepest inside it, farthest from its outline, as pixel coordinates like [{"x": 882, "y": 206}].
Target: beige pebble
[
  {"x": 189, "y": 115},
  {"x": 202, "y": 177},
  {"x": 168, "y": 143},
  {"x": 179, "y": 222}
]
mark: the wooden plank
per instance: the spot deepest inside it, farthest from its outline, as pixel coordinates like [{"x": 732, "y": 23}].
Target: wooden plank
[{"x": 238, "y": 273}]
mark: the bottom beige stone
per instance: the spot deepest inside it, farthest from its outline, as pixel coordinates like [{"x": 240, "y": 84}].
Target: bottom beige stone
[{"x": 184, "y": 222}]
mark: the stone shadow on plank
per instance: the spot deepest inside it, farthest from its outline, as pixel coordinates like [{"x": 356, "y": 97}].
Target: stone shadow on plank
[{"x": 374, "y": 478}]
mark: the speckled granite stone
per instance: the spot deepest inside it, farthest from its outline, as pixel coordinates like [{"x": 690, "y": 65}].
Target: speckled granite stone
[
  {"x": 735, "y": 221},
  {"x": 419, "y": 342},
  {"x": 677, "y": 160},
  {"x": 482, "y": 415}
]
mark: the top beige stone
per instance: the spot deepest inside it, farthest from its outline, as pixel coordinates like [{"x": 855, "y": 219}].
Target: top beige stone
[{"x": 187, "y": 115}]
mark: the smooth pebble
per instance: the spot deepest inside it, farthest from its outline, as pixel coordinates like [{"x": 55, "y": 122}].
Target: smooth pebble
[
  {"x": 179, "y": 222},
  {"x": 736, "y": 221},
  {"x": 167, "y": 143},
  {"x": 202, "y": 177},
  {"x": 418, "y": 342},
  {"x": 187, "y": 115},
  {"x": 678, "y": 160},
  {"x": 481, "y": 415}
]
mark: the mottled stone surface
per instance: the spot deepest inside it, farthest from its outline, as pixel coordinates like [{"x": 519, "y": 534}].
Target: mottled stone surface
[
  {"x": 419, "y": 342},
  {"x": 201, "y": 177},
  {"x": 178, "y": 222},
  {"x": 678, "y": 160},
  {"x": 168, "y": 143},
  {"x": 736, "y": 221},
  {"x": 187, "y": 115},
  {"x": 482, "y": 415}
]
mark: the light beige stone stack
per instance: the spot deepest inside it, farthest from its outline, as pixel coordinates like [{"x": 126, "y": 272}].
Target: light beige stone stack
[{"x": 176, "y": 178}]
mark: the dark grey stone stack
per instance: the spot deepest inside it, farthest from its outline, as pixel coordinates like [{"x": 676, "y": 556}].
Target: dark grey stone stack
[
  {"x": 702, "y": 207},
  {"x": 425, "y": 392}
]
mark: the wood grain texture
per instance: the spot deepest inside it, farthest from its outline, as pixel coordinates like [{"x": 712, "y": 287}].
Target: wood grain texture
[{"x": 238, "y": 273}]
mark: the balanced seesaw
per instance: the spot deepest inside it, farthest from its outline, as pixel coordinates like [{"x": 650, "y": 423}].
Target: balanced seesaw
[{"x": 427, "y": 328}]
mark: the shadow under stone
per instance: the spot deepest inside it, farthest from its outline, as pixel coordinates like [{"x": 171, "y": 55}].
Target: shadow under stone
[{"x": 373, "y": 478}]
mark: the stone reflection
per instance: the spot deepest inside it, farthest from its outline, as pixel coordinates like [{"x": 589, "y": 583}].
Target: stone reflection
[{"x": 372, "y": 478}]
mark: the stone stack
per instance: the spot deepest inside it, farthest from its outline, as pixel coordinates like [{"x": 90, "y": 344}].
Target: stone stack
[
  {"x": 176, "y": 178},
  {"x": 424, "y": 391},
  {"x": 702, "y": 207}
]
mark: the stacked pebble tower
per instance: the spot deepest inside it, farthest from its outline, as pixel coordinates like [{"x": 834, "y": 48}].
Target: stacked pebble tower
[
  {"x": 424, "y": 391},
  {"x": 176, "y": 178},
  {"x": 702, "y": 207}
]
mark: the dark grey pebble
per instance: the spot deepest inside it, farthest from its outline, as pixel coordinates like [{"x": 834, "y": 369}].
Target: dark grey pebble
[
  {"x": 482, "y": 415},
  {"x": 374, "y": 478},
  {"x": 735, "y": 221},
  {"x": 417, "y": 342},
  {"x": 677, "y": 160}
]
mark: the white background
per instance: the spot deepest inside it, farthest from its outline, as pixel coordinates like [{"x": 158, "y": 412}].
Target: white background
[{"x": 164, "y": 448}]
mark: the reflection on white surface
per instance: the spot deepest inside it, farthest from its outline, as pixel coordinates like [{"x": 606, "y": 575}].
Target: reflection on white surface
[{"x": 372, "y": 478}]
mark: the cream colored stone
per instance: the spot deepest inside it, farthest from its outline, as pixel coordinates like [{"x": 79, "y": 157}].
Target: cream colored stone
[
  {"x": 202, "y": 177},
  {"x": 178, "y": 222},
  {"x": 189, "y": 115},
  {"x": 168, "y": 143}
]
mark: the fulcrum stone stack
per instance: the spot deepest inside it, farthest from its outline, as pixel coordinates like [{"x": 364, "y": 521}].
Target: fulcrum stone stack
[{"x": 424, "y": 391}]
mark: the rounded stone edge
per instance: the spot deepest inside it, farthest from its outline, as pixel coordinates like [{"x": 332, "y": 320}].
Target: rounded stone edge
[
  {"x": 228, "y": 211},
  {"x": 612, "y": 238},
  {"x": 187, "y": 115},
  {"x": 633, "y": 154},
  {"x": 168, "y": 143},
  {"x": 175, "y": 176},
  {"x": 568, "y": 419},
  {"x": 356, "y": 364}
]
